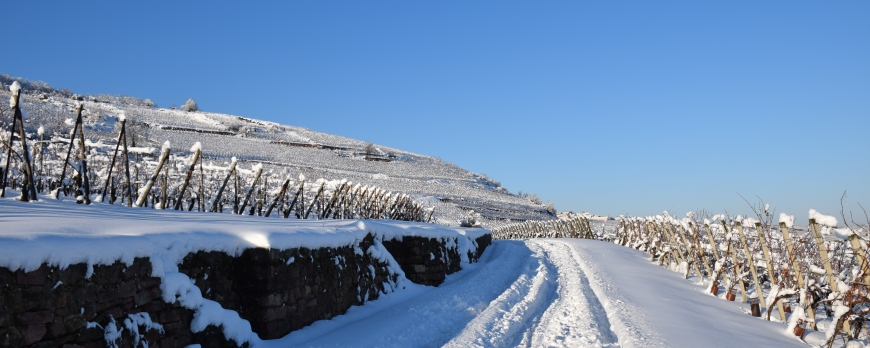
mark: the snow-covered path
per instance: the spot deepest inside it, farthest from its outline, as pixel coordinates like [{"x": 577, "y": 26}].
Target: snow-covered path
[{"x": 549, "y": 293}]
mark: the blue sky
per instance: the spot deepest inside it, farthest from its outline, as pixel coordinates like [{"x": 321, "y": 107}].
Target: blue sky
[{"x": 611, "y": 107}]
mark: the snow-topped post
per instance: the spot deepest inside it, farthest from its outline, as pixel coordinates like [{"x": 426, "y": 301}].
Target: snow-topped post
[
  {"x": 278, "y": 196},
  {"x": 314, "y": 200},
  {"x": 258, "y": 170},
  {"x": 736, "y": 264},
  {"x": 335, "y": 194},
  {"x": 823, "y": 252},
  {"x": 197, "y": 152},
  {"x": 29, "y": 190},
  {"x": 751, "y": 262},
  {"x": 861, "y": 257},
  {"x": 700, "y": 251},
  {"x": 690, "y": 247},
  {"x": 296, "y": 198},
  {"x": 785, "y": 222},
  {"x": 713, "y": 244},
  {"x": 219, "y": 195},
  {"x": 770, "y": 273},
  {"x": 41, "y": 133},
  {"x": 122, "y": 139},
  {"x": 143, "y": 192},
  {"x": 83, "y": 168}
]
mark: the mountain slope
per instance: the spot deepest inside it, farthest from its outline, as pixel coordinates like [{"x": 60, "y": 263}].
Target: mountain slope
[{"x": 449, "y": 189}]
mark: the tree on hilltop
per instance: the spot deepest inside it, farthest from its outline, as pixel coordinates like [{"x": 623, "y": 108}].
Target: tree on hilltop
[{"x": 190, "y": 106}]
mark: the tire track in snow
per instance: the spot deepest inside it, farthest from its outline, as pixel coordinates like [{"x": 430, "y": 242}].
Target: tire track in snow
[
  {"x": 509, "y": 317},
  {"x": 576, "y": 318},
  {"x": 550, "y": 305}
]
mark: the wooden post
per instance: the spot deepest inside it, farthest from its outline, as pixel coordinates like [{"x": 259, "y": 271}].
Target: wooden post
[
  {"x": 86, "y": 182},
  {"x": 700, "y": 251},
  {"x": 28, "y": 191},
  {"x": 295, "y": 198},
  {"x": 112, "y": 164},
  {"x": 770, "y": 271},
  {"x": 194, "y": 159},
  {"x": 324, "y": 214},
  {"x": 220, "y": 192},
  {"x": 860, "y": 257},
  {"x": 752, "y": 268},
  {"x": 737, "y": 272},
  {"x": 127, "y": 164},
  {"x": 9, "y": 159},
  {"x": 713, "y": 244},
  {"x": 280, "y": 194},
  {"x": 823, "y": 252},
  {"x": 251, "y": 190},
  {"x": 314, "y": 200},
  {"x": 796, "y": 267}
]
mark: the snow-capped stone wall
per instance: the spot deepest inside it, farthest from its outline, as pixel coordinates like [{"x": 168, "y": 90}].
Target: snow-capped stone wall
[
  {"x": 428, "y": 261},
  {"x": 276, "y": 291}
]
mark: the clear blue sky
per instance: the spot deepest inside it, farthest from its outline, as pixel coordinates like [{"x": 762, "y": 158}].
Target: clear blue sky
[{"x": 608, "y": 106}]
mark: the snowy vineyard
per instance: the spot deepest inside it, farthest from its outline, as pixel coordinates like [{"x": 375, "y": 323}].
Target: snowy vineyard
[
  {"x": 63, "y": 165},
  {"x": 813, "y": 277},
  {"x": 570, "y": 228}
]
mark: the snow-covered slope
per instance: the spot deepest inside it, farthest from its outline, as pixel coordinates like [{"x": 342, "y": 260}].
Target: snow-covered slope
[{"x": 449, "y": 189}]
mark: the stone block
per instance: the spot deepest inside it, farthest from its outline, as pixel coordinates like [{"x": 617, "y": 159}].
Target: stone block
[
  {"x": 38, "y": 317},
  {"x": 34, "y": 333},
  {"x": 35, "y": 277}
]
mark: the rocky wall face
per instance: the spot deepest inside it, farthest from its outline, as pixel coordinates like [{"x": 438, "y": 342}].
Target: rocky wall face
[
  {"x": 50, "y": 307},
  {"x": 425, "y": 260},
  {"x": 277, "y": 291}
]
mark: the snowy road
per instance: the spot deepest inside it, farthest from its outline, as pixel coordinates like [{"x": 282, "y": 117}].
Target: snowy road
[{"x": 549, "y": 293}]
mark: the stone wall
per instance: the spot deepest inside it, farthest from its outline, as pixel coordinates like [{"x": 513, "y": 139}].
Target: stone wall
[{"x": 277, "y": 291}]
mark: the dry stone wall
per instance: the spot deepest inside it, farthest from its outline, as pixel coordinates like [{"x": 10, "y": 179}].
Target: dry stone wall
[{"x": 277, "y": 291}]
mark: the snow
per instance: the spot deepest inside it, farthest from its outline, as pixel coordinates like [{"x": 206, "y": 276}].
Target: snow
[
  {"x": 787, "y": 219},
  {"x": 40, "y": 131},
  {"x": 15, "y": 87},
  {"x": 822, "y": 219},
  {"x": 549, "y": 293},
  {"x": 122, "y": 116}
]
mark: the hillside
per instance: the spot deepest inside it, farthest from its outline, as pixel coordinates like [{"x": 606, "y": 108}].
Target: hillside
[{"x": 284, "y": 151}]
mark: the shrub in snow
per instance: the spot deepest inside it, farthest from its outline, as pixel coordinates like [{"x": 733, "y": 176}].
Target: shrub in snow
[{"x": 190, "y": 106}]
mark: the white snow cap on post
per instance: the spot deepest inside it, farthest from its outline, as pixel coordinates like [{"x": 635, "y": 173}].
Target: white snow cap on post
[
  {"x": 822, "y": 219},
  {"x": 40, "y": 131},
  {"x": 165, "y": 146},
  {"x": 233, "y": 160},
  {"x": 122, "y": 116},
  {"x": 749, "y": 221},
  {"x": 787, "y": 219},
  {"x": 196, "y": 147},
  {"x": 16, "y": 89}
]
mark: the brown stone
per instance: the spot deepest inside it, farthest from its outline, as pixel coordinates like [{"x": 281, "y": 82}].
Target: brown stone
[
  {"x": 36, "y": 277},
  {"x": 73, "y": 322},
  {"x": 34, "y": 333},
  {"x": 142, "y": 298},
  {"x": 11, "y": 337},
  {"x": 56, "y": 328},
  {"x": 39, "y": 317}
]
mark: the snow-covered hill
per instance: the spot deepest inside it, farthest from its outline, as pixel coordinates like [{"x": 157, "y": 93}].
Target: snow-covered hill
[{"x": 283, "y": 149}]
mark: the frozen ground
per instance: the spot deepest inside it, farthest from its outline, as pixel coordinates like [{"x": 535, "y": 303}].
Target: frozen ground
[{"x": 550, "y": 293}]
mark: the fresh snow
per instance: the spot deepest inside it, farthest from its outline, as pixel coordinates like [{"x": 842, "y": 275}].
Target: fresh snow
[
  {"x": 550, "y": 293},
  {"x": 540, "y": 292}
]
